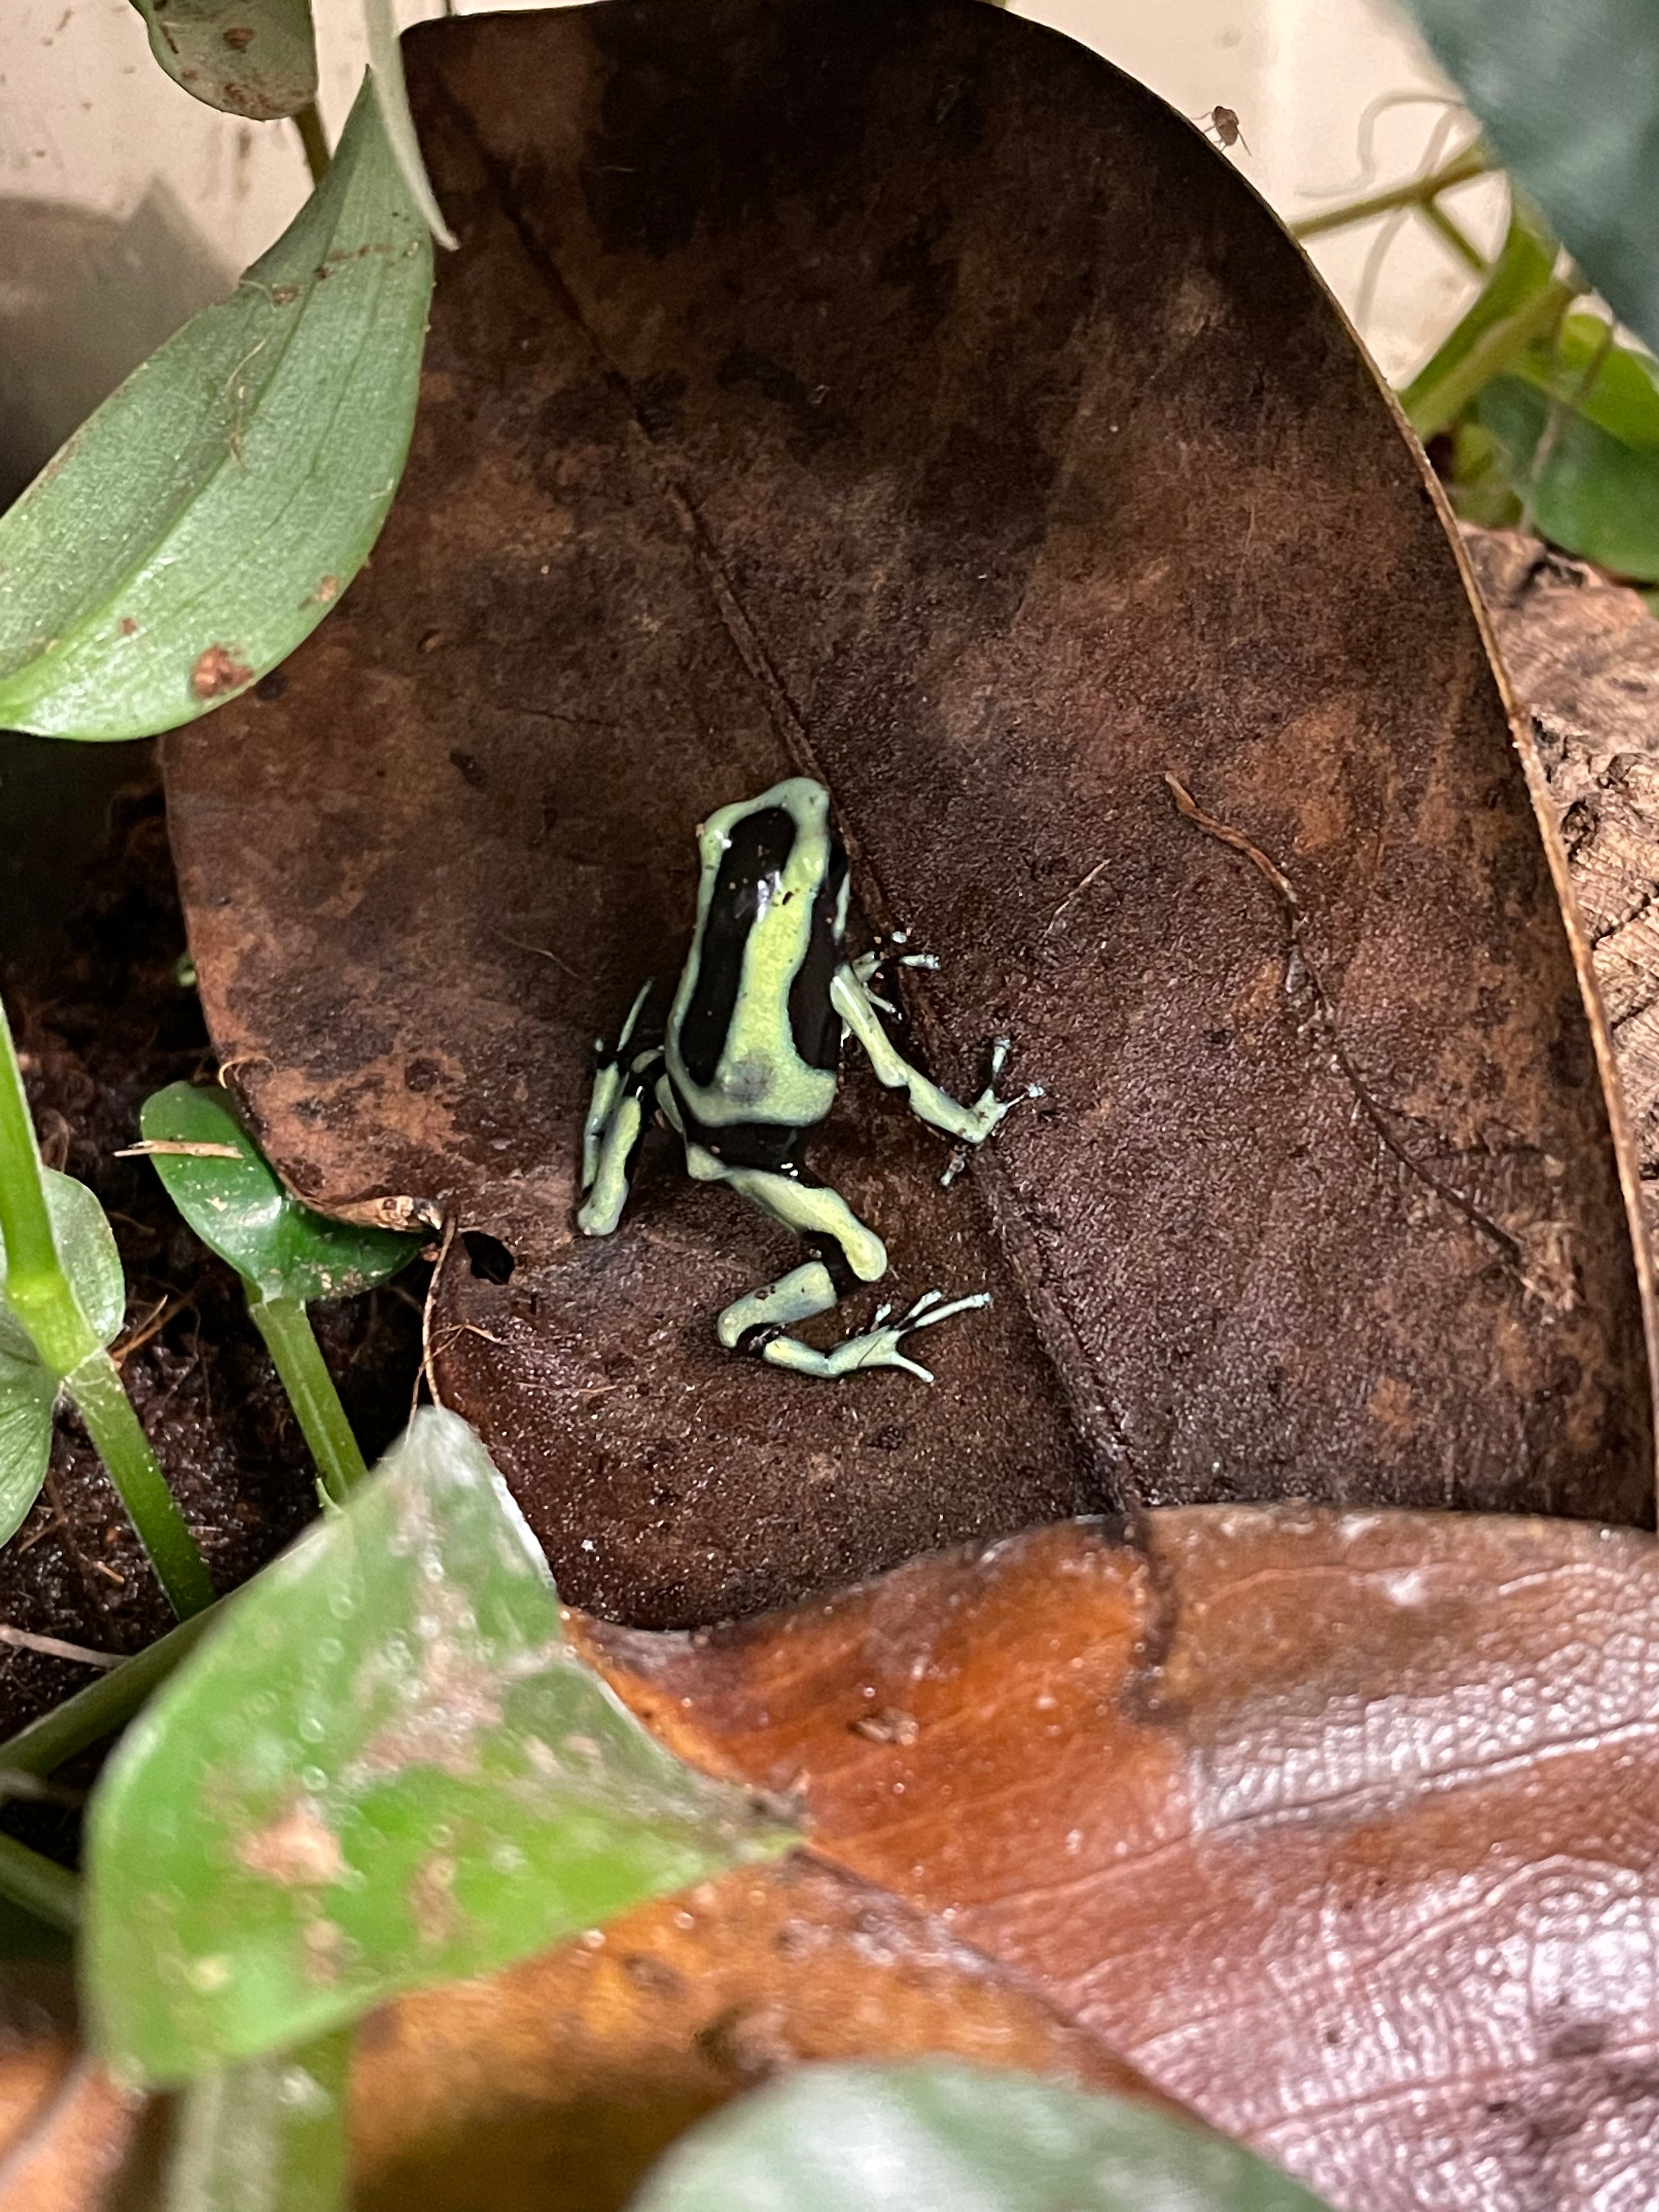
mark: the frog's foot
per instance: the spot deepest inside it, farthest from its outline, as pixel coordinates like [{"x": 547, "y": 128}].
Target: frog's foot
[
  {"x": 870, "y": 964},
  {"x": 878, "y": 1346},
  {"x": 987, "y": 1109}
]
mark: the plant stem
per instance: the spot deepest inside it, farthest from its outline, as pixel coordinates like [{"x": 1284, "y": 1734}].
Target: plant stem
[
  {"x": 293, "y": 1346},
  {"x": 244, "y": 2135},
  {"x": 104, "y": 1406},
  {"x": 106, "y": 1704},
  {"x": 315, "y": 140},
  {"x": 37, "y": 1289},
  {"x": 1473, "y": 161},
  {"x": 41, "y": 1887},
  {"x": 1455, "y": 236},
  {"x": 1437, "y": 408},
  {"x": 40, "y": 1295}
]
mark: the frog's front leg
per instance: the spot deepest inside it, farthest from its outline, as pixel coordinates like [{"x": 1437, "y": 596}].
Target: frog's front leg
[
  {"x": 851, "y": 999},
  {"x": 846, "y": 1254}
]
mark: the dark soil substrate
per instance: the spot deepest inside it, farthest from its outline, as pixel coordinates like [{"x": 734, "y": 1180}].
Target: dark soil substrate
[{"x": 101, "y": 1020}]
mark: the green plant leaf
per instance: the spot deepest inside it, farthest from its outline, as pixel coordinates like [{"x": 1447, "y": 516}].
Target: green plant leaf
[
  {"x": 240, "y": 1210},
  {"x": 1611, "y": 386},
  {"x": 252, "y": 57},
  {"x": 941, "y": 2137},
  {"x": 385, "y": 1768},
  {"x": 1482, "y": 489},
  {"x": 1566, "y": 91},
  {"x": 28, "y": 1390},
  {"x": 386, "y": 57},
  {"x": 1481, "y": 343},
  {"x": 268, "y": 2136},
  {"x": 1593, "y": 495},
  {"x": 209, "y": 514}
]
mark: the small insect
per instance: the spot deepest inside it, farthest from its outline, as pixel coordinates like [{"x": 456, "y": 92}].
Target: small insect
[
  {"x": 1222, "y": 123},
  {"x": 750, "y": 1066}
]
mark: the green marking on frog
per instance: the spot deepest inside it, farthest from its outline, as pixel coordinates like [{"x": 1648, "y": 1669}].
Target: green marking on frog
[{"x": 751, "y": 1063}]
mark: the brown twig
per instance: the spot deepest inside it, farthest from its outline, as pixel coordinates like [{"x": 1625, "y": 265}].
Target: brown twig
[
  {"x": 426, "y": 1374},
  {"x": 54, "y": 1647},
  {"x": 179, "y": 1149},
  {"x": 154, "y": 1322}
]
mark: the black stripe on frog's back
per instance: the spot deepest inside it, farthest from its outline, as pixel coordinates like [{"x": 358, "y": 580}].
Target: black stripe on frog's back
[
  {"x": 758, "y": 850},
  {"x": 813, "y": 1022}
]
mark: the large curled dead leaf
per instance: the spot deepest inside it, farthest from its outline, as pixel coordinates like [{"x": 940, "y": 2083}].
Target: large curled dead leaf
[
  {"x": 898, "y": 392},
  {"x": 1340, "y": 1827}
]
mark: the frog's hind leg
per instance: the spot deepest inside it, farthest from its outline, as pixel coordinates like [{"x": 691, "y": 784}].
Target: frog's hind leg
[
  {"x": 846, "y": 1255},
  {"x": 878, "y": 1346}
]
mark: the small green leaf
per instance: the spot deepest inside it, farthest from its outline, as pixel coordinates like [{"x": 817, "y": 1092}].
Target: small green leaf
[
  {"x": 1593, "y": 496},
  {"x": 209, "y": 514},
  {"x": 238, "y": 1209},
  {"x": 385, "y": 1768},
  {"x": 939, "y": 2137},
  {"x": 252, "y": 57},
  {"x": 28, "y": 1390},
  {"x": 1610, "y": 384},
  {"x": 268, "y": 2136},
  {"x": 1481, "y": 343}
]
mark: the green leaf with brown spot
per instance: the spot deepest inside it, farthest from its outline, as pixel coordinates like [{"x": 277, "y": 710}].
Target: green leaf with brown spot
[
  {"x": 210, "y": 513},
  {"x": 239, "y": 1209},
  {"x": 253, "y": 57},
  {"x": 386, "y": 1768}
]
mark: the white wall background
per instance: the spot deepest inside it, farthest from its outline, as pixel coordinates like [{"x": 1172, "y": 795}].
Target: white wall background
[{"x": 125, "y": 204}]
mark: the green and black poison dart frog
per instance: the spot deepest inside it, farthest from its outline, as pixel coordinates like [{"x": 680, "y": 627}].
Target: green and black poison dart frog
[{"x": 750, "y": 1065}]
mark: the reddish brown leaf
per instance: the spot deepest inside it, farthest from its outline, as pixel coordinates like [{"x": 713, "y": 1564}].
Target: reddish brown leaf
[
  {"x": 1344, "y": 1828},
  {"x": 69, "y": 2153},
  {"x": 555, "y": 2086},
  {"x": 551, "y": 2088},
  {"x": 895, "y": 392}
]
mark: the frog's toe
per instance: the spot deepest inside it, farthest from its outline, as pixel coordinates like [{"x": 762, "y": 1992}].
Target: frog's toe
[{"x": 927, "y": 1309}]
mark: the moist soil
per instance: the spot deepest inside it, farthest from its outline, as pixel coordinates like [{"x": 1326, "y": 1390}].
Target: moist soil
[{"x": 104, "y": 1014}]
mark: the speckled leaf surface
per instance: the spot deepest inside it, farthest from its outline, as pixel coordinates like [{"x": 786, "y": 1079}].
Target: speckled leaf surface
[
  {"x": 941, "y": 2138},
  {"x": 1345, "y": 1828},
  {"x": 386, "y": 1768},
  {"x": 896, "y": 392},
  {"x": 238, "y": 1209},
  {"x": 28, "y": 1391},
  {"x": 257, "y": 59}
]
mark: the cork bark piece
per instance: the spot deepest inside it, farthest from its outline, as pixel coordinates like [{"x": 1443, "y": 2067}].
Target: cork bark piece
[
  {"x": 1339, "y": 1827},
  {"x": 1583, "y": 654},
  {"x": 898, "y": 394}
]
